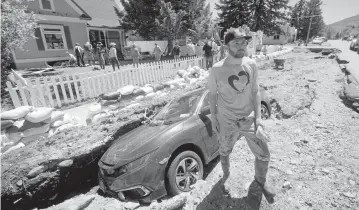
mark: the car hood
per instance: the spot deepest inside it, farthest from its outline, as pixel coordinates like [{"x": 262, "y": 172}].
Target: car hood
[{"x": 139, "y": 142}]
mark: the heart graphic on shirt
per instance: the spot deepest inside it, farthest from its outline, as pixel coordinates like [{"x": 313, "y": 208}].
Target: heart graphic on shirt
[{"x": 239, "y": 82}]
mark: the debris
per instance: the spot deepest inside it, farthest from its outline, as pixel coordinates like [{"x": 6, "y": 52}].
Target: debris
[
  {"x": 349, "y": 194},
  {"x": 131, "y": 205},
  {"x": 320, "y": 126},
  {"x": 19, "y": 183},
  {"x": 287, "y": 185},
  {"x": 309, "y": 203},
  {"x": 325, "y": 170}
]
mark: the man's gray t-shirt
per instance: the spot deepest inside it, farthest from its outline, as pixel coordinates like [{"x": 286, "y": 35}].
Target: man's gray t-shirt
[{"x": 236, "y": 86}]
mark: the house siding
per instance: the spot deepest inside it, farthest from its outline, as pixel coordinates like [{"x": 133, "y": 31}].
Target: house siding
[
  {"x": 271, "y": 41},
  {"x": 31, "y": 50},
  {"x": 61, "y": 8}
]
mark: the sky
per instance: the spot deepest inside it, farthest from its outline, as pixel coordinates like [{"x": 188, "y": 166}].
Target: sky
[{"x": 333, "y": 10}]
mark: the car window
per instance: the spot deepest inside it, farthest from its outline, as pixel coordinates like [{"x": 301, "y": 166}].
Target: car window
[{"x": 181, "y": 107}]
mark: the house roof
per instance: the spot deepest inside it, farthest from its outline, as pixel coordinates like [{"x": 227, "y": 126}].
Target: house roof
[{"x": 102, "y": 12}]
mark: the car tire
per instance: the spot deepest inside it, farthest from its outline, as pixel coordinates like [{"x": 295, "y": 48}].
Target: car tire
[
  {"x": 264, "y": 112},
  {"x": 175, "y": 183}
]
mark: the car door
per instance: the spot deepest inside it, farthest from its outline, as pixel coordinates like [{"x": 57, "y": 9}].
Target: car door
[{"x": 209, "y": 137}]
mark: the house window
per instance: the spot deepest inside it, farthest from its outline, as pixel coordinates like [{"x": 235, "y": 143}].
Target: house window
[
  {"x": 276, "y": 37},
  {"x": 53, "y": 37},
  {"x": 47, "y": 5}
]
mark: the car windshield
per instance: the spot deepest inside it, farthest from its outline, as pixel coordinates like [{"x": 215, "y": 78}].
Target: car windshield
[{"x": 179, "y": 108}]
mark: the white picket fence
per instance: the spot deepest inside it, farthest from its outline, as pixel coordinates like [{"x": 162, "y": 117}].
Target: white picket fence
[{"x": 57, "y": 91}]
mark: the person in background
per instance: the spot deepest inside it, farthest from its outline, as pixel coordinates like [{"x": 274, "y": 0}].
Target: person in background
[
  {"x": 176, "y": 51},
  {"x": 207, "y": 48},
  {"x": 78, "y": 51},
  {"x": 113, "y": 56},
  {"x": 135, "y": 53},
  {"x": 157, "y": 51},
  {"x": 214, "y": 50},
  {"x": 191, "y": 49},
  {"x": 100, "y": 54},
  {"x": 89, "y": 53},
  {"x": 222, "y": 50}
]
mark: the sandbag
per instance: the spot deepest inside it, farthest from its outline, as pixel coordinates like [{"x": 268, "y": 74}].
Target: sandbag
[
  {"x": 181, "y": 72},
  {"x": 172, "y": 82},
  {"x": 36, "y": 130},
  {"x": 16, "y": 113},
  {"x": 158, "y": 87},
  {"x": 139, "y": 98},
  {"x": 193, "y": 81},
  {"x": 95, "y": 109},
  {"x": 6, "y": 124},
  {"x": 18, "y": 146},
  {"x": 54, "y": 131},
  {"x": 147, "y": 90},
  {"x": 13, "y": 134},
  {"x": 134, "y": 105},
  {"x": 55, "y": 115},
  {"x": 127, "y": 90},
  {"x": 110, "y": 96},
  {"x": 29, "y": 139},
  {"x": 150, "y": 96},
  {"x": 187, "y": 79},
  {"x": 39, "y": 114},
  {"x": 138, "y": 92},
  {"x": 67, "y": 118},
  {"x": 196, "y": 68},
  {"x": 109, "y": 102},
  {"x": 100, "y": 116}
]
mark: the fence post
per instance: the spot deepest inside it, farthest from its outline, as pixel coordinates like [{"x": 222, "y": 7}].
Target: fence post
[
  {"x": 41, "y": 94},
  {"x": 48, "y": 89},
  {"x": 13, "y": 94},
  {"x": 70, "y": 88}
]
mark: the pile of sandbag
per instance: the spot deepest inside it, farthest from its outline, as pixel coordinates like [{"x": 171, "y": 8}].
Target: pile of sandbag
[
  {"x": 192, "y": 74},
  {"x": 124, "y": 98},
  {"x": 25, "y": 124}
]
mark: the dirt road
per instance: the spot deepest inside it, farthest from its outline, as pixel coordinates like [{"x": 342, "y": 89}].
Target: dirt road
[{"x": 314, "y": 148}]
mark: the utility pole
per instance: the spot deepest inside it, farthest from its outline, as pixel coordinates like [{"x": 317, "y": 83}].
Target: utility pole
[{"x": 310, "y": 25}]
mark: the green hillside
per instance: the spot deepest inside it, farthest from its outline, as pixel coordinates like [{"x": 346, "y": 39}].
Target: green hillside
[{"x": 346, "y": 26}]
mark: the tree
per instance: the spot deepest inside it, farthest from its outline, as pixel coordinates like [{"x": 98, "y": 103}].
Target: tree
[
  {"x": 301, "y": 15},
  {"x": 264, "y": 15},
  {"x": 202, "y": 25},
  {"x": 139, "y": 15},
  {"x": 17, "y": 27},
  {"x": 170, "y": 22},
  {"x": 192, "y": 8}
]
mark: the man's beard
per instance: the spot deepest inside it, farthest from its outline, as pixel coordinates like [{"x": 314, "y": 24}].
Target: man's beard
[{"x": 238, "y": 53}]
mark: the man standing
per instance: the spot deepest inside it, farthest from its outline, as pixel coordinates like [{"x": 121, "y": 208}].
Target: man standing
[
  {"x": 135, "y": 53},
  {"x": 208, "y": 55},
  {"x": 113, "y": 56},
  {"x": 100, "y": 54},
  {"x": 176, "y": 51},
  {"x": 89, "y": 52},
  {"x": 157, "y": 51},
  {"x": 234, "y": 95},
  {"x": 78, "y": 51}
]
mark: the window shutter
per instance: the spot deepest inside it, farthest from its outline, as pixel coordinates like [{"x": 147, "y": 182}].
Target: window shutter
[
  {"x": 39, "y": 42},
  {"x": 70, "y": 46}
]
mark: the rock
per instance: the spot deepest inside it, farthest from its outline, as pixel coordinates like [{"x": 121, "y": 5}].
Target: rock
[
  {"x": 304, "y": 141},
  {"x": 309, "y": 203},
  {"x": 35, "y": 171},
  {"x": 289, "y": 172},
  {"x": 349, "y": 194},
  {"x": 287, "y": 185},
  {"x": 19, "y": 183},
  {"x": 312, "y": 80},
  {"x": 351, "y": 182},
  {"x": 325, "y": 170},
  {"x": 131, "y": 205},
  {"x": 66, "y": 163},
  {"x": 319, "y": 126},
  {"x": 334, "y": 204}
]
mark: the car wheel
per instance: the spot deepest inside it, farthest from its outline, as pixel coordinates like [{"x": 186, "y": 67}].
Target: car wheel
[
  {"x": 264, "y": 112},
  {"x": 184, "y": 171}
]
